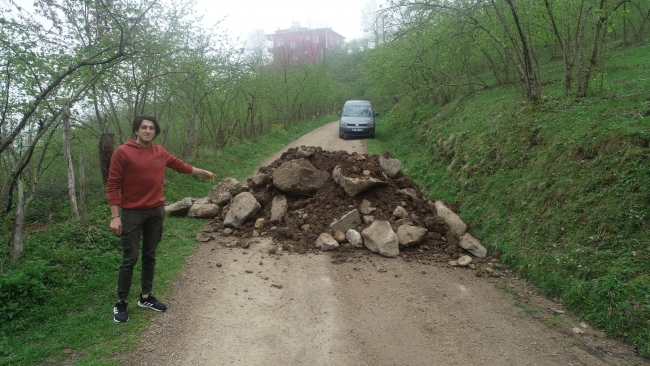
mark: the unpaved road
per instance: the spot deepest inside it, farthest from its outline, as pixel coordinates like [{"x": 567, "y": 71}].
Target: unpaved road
[{"x": 236, "y": 306}]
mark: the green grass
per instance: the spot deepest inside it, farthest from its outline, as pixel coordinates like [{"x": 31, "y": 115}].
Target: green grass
[
  {"x": 561, "y": 190},
  {"x": 56, "y": 301}
]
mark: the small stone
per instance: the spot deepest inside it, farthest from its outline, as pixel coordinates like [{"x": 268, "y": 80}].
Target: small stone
[
  {"x": 339, "y": 236},
  {"x": 227, "y": 231},
  {"x": 453, "y": 263},
  {"x": 577, "y": 330},
  {"x": 399, "y": 212},
  {"x": 464, "y": 260},
  {"x": 259, "y": 223}
]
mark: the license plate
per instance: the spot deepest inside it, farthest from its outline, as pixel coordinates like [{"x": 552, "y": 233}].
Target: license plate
[{"x": 356, "y": 130}]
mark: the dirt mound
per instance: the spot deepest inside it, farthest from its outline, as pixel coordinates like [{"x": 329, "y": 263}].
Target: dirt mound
[{"x": 309, "y": 216}]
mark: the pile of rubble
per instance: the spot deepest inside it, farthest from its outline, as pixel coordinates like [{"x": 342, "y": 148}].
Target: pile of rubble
[{"x": 315, "y": 200}]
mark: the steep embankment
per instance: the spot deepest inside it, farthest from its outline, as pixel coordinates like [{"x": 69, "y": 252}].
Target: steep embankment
[{"x": 560, "y": 189}]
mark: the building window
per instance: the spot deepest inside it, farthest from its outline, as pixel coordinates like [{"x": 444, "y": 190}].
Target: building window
[
  {"x": 308, "y": 38},
  {"x": 300, "y": 39},
  {"x": 332, "y": 40},
  {"x": 306, "y": 52},
  {"x": 315, "y": 39},
  {"x": 338, "y": 41},
  {"x": 280, "y": 42},
  {"x": 295, "y": 58},
  {"x": 293, "y": 45}
]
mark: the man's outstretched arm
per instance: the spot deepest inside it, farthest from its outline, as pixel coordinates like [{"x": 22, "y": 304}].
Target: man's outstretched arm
[{"x": 204, "y": 173}]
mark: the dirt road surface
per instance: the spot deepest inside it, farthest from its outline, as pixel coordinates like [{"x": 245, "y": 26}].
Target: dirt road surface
[{"x": 244, "y": 306}]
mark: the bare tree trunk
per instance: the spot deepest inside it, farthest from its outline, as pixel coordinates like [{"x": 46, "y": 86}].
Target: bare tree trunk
[
  {"x": 82, "y": 190},
  {"x": 583, "y": 84},
  {"x": 106, "y": 149},
  {"x": 16, "y": 239},
  {"x": 68, "y": 161},
  {"x": 190, "y": 134}
]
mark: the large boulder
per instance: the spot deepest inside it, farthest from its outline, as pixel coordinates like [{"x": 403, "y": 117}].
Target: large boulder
[
  {"x": 242, "y": 207},
  {"x": 299, "y": 176},
  {"x": 348, "y": 221},
  {"x": 380, "y": 238},
  {"x": 472, "y": 245},
  {"x": 279, "y": 207},
  {"x": 390, "y": 166},
  {"x": 204, "y": 211},
  {"x": 326, "y": 242},
  {"x": 354, "y": 186},
  {"x": 408, "y": 235},
  {"x": 180, "y": 208},
  {"x": 223, "y": 192},
  {"x": 451, "y": 219}
]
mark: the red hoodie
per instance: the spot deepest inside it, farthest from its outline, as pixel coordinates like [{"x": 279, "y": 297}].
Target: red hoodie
[{"x": 135, "y": 180}]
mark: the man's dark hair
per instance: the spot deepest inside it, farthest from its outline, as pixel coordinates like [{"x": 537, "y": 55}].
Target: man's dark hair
[{"x": 138, "y": 121}]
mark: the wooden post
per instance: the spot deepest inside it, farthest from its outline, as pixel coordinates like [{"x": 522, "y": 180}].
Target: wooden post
[
  {"x": 16, "y": 239},
  {"x": 82, "y": 190}
]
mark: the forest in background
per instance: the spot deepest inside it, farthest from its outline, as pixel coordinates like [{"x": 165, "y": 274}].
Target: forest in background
[{"x": 75, "y": 73}]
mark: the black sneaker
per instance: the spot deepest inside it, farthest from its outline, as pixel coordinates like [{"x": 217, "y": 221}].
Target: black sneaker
[
  {"x": 119, "y": 310},
  {"x": 151, "y": 303}
]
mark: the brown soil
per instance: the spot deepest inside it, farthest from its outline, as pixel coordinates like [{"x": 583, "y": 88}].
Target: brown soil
[
  {"x": 244, "y": 300},
  {"x": 331, "y": 202}
]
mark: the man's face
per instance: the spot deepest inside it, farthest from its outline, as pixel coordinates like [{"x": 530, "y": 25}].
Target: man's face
[{"x": 146, "y": 133}]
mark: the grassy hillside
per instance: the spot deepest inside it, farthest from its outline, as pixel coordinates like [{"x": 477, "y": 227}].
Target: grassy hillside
[{"x": 561, "y": 190}]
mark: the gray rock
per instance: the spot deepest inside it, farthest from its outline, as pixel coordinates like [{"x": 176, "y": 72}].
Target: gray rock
[
  {"x": 347, "y": 222},
  {"x": 261, "y": 178},
  {"x": 206, "y": 211},
  {"x": 463, "y": 261},
  {"x": 365, "y": 208},
  {"x": 278, "y": 208},
  {"x": 400, "y": 212},
  {"x": 390, "y": 166},
  {"x": 325, "y": 241},
  {"x": 472, "y": 245},
  {"x": 299, "y": 177},
  {"x": 451, "y": 219},
  {"x": 180, "y": 208},
  {"x": 354, "y": 186},
  {"x": 380, "y": 238},
  {"x": 202, "y": 201},
  {"x": 410, "y": 235},
  {"x": 223, "y": 192},
  {"x": 242, "y": 207},
  {"x": 354, "y": 238},
  {"x": 368, "y": 219}
]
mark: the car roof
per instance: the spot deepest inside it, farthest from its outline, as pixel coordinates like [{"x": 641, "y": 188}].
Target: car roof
[{"x": 357, "y": 102}]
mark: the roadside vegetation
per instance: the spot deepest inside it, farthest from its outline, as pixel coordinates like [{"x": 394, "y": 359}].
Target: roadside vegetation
[
  {"x": 560, "y": 190},
  {"x": 533, "y": 118}
]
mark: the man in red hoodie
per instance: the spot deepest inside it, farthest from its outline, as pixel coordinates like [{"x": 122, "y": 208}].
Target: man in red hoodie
[{"x": 135, "y": 183}]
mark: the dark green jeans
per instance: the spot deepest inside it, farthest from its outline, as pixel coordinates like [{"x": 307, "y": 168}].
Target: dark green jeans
[{"x": 148, "y": 225}]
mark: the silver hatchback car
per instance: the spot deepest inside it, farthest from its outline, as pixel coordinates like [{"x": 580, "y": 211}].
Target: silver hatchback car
[{"x": 357, "y": 119}]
